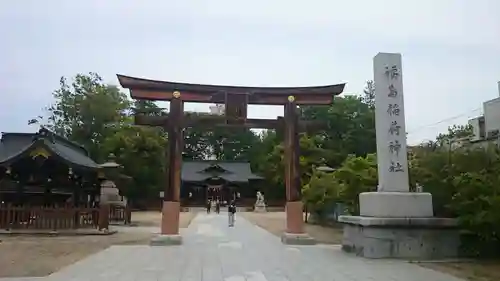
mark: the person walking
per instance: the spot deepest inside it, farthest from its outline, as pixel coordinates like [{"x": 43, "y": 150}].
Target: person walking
[
  {"x": 231, "y": 212},
  {"x": 217, "y": 206},
  {"x": 209, "y": 206}
]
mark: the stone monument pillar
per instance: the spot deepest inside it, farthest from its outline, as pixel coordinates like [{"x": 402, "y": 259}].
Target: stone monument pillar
[
  {"x": 392, "y": 198},
  {"x": 393, "y": 221}
]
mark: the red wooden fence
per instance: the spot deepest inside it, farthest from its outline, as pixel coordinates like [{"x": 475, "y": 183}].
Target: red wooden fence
[{"x": 48, "y": 218}]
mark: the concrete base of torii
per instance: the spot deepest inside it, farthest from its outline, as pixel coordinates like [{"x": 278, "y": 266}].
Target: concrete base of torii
[
  {"x": 295, "y": 234},
  {"x": 169, "y": 225}
]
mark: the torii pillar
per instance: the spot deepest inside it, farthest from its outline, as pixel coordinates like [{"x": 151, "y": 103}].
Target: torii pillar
[
  {"x": 294, "y": 233},
  {"x": 171, "y": 196}
]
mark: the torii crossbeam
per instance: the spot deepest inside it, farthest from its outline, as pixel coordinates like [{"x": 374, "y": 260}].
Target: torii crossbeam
[{"x": 236, "y": 100}]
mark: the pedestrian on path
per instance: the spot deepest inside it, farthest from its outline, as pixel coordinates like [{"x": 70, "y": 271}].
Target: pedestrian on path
[
  {"x": 217, "y": 206},
  {"x": 209, "y": 206},
  {"x": 231, "y": 210}
]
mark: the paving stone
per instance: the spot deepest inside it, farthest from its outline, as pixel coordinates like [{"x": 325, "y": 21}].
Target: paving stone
[{"x": 212, "y": 251}]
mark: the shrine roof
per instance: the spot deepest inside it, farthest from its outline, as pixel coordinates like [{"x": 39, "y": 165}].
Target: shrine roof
[
  {"x": 198, "y": 171},
  {"x": 154, "y": 87},
  {"x": 16, "y": 145}
]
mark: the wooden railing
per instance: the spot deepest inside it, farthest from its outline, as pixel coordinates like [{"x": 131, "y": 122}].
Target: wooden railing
[{"x": 49, "y": 218}]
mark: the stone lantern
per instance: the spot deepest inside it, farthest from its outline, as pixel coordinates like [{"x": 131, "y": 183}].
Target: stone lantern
[
  {"x": 109, "y": 168},
  {"x": 110, "y": 194}
]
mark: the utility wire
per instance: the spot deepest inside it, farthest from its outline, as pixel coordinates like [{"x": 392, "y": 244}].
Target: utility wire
[{"x": 444, "y": 120}]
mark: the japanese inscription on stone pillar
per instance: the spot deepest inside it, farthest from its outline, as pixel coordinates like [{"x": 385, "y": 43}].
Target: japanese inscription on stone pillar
[{"x": 390, "y": 123}]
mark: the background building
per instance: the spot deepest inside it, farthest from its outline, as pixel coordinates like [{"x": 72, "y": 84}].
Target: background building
[
  {"x": 487, "y": 127},
  {"x": 217, "y": 109}
]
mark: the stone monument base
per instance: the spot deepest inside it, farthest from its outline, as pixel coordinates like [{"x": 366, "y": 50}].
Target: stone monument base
[
  {"x": 297, "y": 239},
  {"x": 166, "y": 240},
  {"x": 407, "y": 238},
  {"x": 260, "y": 208},
  {"x": 396, "y": 204}
]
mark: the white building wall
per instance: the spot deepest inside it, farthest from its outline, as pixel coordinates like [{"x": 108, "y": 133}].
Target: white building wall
[
  {"x": 491, "y": 115},
  {"x": 483, "y": 126},
  {"x": 217, "y": 109},
  {"x": 477, "y": 128}
]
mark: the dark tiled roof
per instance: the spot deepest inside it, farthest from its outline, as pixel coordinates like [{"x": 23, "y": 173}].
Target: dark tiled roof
[
  {"x": 15, "y": 145},
  {"x": 72, "y": 155},
  {"x": 196, "y": 171},
  {"x": 7, "y": 186}
]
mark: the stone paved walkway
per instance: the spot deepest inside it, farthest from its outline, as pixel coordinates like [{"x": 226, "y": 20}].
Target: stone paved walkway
[{"x": 214, "y": 252}]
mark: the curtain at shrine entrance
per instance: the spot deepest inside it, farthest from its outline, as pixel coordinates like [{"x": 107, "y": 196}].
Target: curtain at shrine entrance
[
  {"x": 197, "y": 194},
  {"x": 217, "y": 192}
]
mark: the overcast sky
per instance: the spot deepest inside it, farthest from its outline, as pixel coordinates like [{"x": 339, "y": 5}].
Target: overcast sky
[{"x": 450, "y": 48}]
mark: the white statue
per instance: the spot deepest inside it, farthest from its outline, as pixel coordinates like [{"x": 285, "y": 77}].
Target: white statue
[
  {"x": 260, "y": 197},
  {"x": 260, "y": 205}
]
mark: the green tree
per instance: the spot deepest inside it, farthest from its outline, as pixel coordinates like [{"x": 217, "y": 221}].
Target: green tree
[
  {"x": 454, "y": 133},
  {"x": 221, "y": 143},
  {"x": 196, "y": 144},
  {"x": 464, "y": 184},
  {"x": 322, "y": 190},
  {"x": 369, "y": 93},
  {"x": 233, "y": 144},
  {"x": 431, "y": 169},
  {"x": 98, "y": 116},
  {"x": 350, "y": 128},
  {"x": 149, "y": 107},
  {"x": 265, "y": 160},
  {"x": 86, "y": 110},
  {"x": 435, "y": 166},
  {"x": 356, "y": 175},
  {"x": 477, "y": 205},
  {"x": 268, "y": 140},
  {"x": 272, "y": 164},
  {"x": 141, "y": 150}
]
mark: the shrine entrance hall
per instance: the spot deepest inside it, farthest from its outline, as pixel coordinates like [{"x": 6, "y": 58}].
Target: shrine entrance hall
[{"x": 224, "y": 181}]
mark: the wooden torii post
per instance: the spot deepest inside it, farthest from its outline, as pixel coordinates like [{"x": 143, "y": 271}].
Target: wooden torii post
[{"x": 236, "y": 100}]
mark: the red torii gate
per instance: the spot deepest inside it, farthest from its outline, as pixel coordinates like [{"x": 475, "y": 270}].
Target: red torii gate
[{"x": 236, "y": 100}]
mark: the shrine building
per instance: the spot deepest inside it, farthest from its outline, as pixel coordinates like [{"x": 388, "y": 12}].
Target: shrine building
[
  {"x": 218, "y": 180},
  {"x": 49, "y": 182}
]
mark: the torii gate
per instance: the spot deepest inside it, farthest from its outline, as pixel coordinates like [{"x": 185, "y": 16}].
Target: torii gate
[{"x": 236, "y": 100}]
